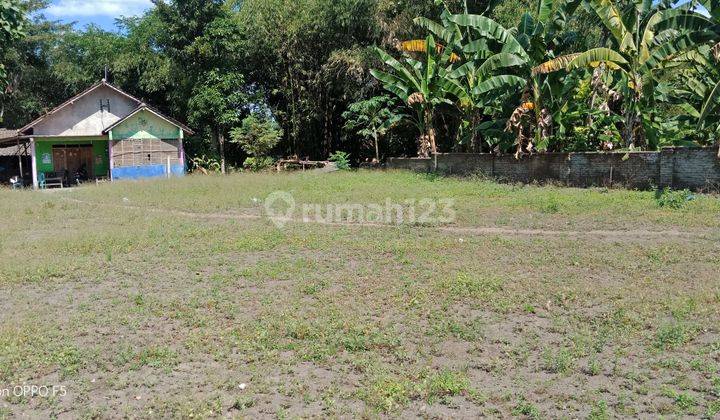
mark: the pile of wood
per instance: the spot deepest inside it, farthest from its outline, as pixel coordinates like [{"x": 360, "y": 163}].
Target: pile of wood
[{"x": 295, "y": 163}]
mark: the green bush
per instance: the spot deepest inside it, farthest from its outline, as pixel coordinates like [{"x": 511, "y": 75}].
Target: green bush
[
  {"x": 341, "y": 159},
  {"x": 258, "y": 164},
  {"x": 673, "y": 199},
  {"x": 206, "y": 163},
  {"x": 257, "y": 136}
]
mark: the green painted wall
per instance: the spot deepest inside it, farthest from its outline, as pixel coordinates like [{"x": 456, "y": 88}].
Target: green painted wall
[
  {"x": 145, "y": 125},
  {"x": 101, "y": 153}
]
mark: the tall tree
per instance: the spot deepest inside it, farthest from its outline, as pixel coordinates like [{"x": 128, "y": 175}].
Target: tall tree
[
  {"x": 423, "y": 86},
  {"x": 314, "y": 67},
  {"x": 202, "y": 40},
  {"x": 12, "y": 25},
  {"x": 32, "y": 86}
]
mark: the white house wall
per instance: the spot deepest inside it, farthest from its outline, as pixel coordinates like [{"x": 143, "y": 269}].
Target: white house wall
[{"x": 84, "y": 117}]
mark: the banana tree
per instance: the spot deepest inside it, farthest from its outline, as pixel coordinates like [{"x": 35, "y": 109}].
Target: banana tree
[
  {"x": 709, "y": 69},
  {"x": 477, "y": 72},
  {"x": 422, "y": 85},
  {"x": 645, "y": 37},
  {"x": 536, "y": 38},
  {"x": 697, "y": 93}
]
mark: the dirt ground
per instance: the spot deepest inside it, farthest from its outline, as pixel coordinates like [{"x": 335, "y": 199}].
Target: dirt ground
[{"x": 182, "y": 300}]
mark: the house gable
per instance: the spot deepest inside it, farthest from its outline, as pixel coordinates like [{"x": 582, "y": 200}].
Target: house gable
[
  {"x": 84, "y": 115},
  {"x": 145, "y": 124}
]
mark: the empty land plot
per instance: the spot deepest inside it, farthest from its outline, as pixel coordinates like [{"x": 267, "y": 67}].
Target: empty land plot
[{"x": 178, "y": 298}]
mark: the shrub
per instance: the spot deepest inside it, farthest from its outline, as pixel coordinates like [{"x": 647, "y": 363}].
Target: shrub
[
  {"x": 673, "y": 199},
  {"x": 258, "y": 164},
  {"x": 257, "y": 136},
  {"x": 670, "y": 336},
  {"x": 526, "y": 409},
  {"x": 341, "y": 159},
  {"x": 445, "y": 384},
  {"x": 206, "y": 164}
]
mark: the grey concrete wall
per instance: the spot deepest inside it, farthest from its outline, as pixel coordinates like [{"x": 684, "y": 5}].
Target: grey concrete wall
[{"x": 693, "y": 168}]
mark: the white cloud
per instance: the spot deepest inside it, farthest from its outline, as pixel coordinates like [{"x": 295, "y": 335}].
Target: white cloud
[{"x": 84, "y": 8}]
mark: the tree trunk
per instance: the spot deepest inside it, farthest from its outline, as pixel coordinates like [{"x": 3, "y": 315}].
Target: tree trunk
[
  {"x": 629, "y": 126},
  {"x": 431, "y": 138},
  {"x": 537, "y": 100},
  {"x": 430, "y": 130},
  {"x": 377, "y": 147},
  {"x": 293, "y": 114},
  {"x": 475, "y": 140},
  {"x": 221, "y": 147}
]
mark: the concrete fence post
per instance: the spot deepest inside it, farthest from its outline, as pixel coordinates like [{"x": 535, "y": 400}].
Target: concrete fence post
[{"x": 666, "y": 176}]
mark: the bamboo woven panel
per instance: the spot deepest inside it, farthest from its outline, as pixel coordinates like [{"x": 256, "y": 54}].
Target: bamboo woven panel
[{"x": 141, "y": 152}]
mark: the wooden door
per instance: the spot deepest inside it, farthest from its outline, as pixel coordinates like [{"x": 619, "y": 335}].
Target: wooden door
[
  {"x": 59, "y": 160},
  {"x": 72, "y": 158},
  {"x": 86, "y": 159}
]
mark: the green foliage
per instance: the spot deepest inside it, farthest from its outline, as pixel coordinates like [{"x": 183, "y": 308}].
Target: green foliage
[
  {"x": 206, "y": 163},
  {"x": 257, "y": 136},
  {"x": 422, "y": 86},
  {"x": 470, "y": 66},
  {"x": 371, "y": 119},
  {"x": 560, "y": 361},
  {"x": 674, "y": 199},
  {"x": 672, "y": 335},
  {"x": 647, "y": 39},
  {"x": 526, "y": 409},
  {"x": 12, "y": 22},
  {"x": 258, "y": 164},
  {"x": 12, "y": 28},
  {"x": 599, "y": 411},
  {"x": 445, "y": 383},
  {"x": 341, "y": 159}
]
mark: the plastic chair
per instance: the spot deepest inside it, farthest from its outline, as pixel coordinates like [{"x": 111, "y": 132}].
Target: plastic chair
[
  {"x": 41, "y": 181},
  {"x": 16, "y": 183}
]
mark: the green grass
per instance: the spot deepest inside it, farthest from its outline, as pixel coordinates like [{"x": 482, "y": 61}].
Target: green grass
[{"x": 150, "y": 299}]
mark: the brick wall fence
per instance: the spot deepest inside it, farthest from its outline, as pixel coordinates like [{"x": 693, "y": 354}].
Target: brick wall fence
[{"x": 693, "y": 168}]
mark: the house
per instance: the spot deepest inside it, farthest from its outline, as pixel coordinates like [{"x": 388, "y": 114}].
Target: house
[
  {"x": 107, "y": 134},
  {"x": 14, "y": 156}
]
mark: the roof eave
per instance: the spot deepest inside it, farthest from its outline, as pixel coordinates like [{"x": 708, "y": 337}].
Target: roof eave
[
  {"x": 142, "y": 107},
  {"x": 74, "y": 99}
]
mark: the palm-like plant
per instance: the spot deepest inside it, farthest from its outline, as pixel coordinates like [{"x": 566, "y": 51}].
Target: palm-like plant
[
  {"x": 645, "y": 37},
  {"x": 709, "y": 71},
  {"x": 535, "y": 40},
  {"x": 478, "y": 64},
  {"x": 696, "y": 92},
  {"x": 422, "y": 85}
]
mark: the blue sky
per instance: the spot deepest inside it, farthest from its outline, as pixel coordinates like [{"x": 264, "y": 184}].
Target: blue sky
[
  {"x": 99, "y": 12},
  {"x": 104, "y": 12}
]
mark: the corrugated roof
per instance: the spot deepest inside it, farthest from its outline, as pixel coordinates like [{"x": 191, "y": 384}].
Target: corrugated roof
[
  {"x": 13, "y": 150},
  {"x": 6, "y": 133}
]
